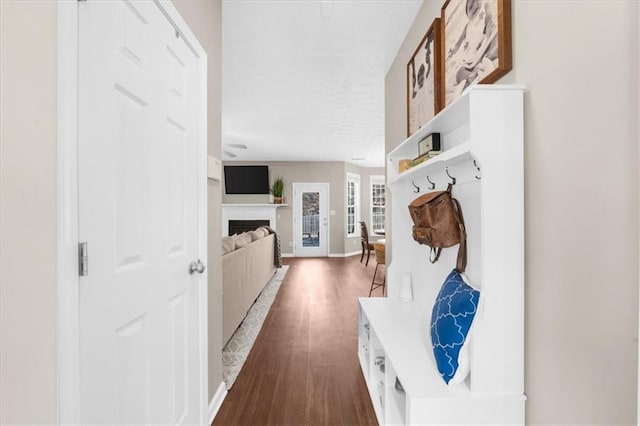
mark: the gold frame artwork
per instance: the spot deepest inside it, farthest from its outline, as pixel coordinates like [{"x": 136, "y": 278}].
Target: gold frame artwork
[
  {"x": 424, "y": 79},
  {"x": 476, "y": 44}
]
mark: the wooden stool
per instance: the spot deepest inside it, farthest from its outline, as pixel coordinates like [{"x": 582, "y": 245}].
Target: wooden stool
[{"x": 380, "y": 260}]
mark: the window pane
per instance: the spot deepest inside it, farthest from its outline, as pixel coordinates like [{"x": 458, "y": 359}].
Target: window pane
[
  {"x": 378, "y": 203},
  {"x": 311, "y": 219},
  {"x": 352, "y": 204}
]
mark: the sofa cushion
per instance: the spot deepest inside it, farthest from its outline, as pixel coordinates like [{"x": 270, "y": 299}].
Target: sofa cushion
[
  {"x": 256, "y": 235},
  {"x": 228, "y": 245},
  {"x": 242, "y": 240}
]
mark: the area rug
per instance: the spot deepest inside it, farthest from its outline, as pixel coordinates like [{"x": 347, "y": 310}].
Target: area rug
[{"x": 235, "y": 353}]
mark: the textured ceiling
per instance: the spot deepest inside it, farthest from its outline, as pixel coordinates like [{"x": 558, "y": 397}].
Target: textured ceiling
[{"x": 303, "y": 80}]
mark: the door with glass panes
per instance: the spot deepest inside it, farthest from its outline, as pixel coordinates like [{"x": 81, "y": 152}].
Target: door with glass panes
[{"x": 310, "y": 219}]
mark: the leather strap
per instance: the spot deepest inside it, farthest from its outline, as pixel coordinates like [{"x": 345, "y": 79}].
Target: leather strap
[
  {"x": 434, "y": 254},
  {"x": 461, "y": 262}
]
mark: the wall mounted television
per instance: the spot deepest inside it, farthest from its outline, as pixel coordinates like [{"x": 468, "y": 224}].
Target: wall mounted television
[{"x": 246, "y": 179}]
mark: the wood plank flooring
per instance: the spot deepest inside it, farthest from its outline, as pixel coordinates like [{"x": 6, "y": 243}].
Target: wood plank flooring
[{"x": 303, "y": 368}]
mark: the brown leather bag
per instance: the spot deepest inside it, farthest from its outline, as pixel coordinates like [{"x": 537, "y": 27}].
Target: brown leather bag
[{"x": 438, "y": 223}]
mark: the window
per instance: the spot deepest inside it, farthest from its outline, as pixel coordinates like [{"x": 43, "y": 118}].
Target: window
[
  {"x": 353, "y": 205},
  {"x": 378, "y": 203}
]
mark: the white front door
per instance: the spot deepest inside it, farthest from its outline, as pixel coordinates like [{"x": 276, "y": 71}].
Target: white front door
[
  {"x": 141, "y": 316},
  {"x": 310, "y": 219}
]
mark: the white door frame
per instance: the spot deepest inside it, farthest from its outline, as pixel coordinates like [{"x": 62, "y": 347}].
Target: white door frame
[
  {"x": 637, "y": 87},
  {"x": 325, "y": 185},
  {"x": 68, "y": 335}
]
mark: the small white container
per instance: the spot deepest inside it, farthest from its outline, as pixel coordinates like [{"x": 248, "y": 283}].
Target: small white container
[{"x": 406, "y": 289}]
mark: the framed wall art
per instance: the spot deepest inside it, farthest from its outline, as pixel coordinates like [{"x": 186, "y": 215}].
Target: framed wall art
[
  {"x": 477, "y": 44},
  {"x": 424, "y": 82}
]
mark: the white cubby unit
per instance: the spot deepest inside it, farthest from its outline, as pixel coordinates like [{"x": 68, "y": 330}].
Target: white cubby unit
[{"x": 482, "y": 137}]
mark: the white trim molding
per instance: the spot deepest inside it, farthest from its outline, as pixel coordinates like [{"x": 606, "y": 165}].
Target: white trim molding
[
  {"x": 354, "y": 179},
  {"x": 68, "y": 331},
  {"x": 353, "y": 253},
  {"x": 216, "y": 401},
  {"x": 249, "y": 212}
]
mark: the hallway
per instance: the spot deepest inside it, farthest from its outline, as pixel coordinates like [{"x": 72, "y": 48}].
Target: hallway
[{"x": 303, "y": 368}]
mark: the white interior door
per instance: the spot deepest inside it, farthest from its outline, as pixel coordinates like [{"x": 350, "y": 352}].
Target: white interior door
[
  {"x": 140, "y": 308},
  {"x": 310, "y": 219}
]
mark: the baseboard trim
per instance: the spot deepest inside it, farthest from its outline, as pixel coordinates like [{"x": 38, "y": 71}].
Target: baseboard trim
[
  {"x": 353, "y": 253},
  {"x": 216, "y": 401}
]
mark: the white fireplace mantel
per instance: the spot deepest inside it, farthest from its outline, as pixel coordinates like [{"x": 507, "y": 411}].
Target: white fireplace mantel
[{"x": 248, "y": 212}]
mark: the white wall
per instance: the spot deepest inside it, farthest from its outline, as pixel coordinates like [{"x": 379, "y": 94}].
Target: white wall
[
  {"x": 28, "y": 306},
  {"x": 578, "y": 61}
]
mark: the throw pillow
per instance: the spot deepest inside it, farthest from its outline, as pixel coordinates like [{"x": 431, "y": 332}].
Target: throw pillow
[
  {"x": 255, "y": 235},
  {"x": 228, "y": 245},
  {"x": 242, "y": 240},
  {"x": 451, "y": 321}
]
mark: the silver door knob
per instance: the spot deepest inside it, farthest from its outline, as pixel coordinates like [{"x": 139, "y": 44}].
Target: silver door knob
[{"x": 196, "y": 267}]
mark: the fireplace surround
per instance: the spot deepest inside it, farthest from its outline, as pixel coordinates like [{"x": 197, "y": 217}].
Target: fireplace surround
[
  {"x": 240, "y": 226},
  {"x": 263, "y": 213}
]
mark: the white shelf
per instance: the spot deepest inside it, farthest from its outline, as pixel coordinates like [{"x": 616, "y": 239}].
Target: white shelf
[
  {"x": 453, "y": 125},
  {"x": 407, "y": 346},
  {"x": 450, "y": 157},
  {"x": 402, "y": 336},
  {"x": 397, "y": 406},
  {"x": 450, "y": 118},
  {"x": 482, "y": 137}
]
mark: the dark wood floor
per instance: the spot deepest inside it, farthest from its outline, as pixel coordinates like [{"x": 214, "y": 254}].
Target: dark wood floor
[{"x": 303, "y": 368}]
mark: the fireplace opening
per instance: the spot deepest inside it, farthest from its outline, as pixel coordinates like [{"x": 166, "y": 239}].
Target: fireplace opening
[{"x": 240, "y": 226}]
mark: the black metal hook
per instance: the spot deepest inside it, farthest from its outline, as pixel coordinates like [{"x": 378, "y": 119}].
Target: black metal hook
[
  {"x": 432, "y": 185},
  {"x": 417, "y": 188},
  {"x": 479, "y": 175},
  {"x": 453, "y": 180}
]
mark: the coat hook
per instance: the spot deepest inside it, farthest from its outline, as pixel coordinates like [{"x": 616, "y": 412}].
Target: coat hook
[
  {"x": 417, "y": 188},
  {"x": 453, "y": 180},
  {"x": 479, "y": 175},
  {"x": 432, "y": 185}
]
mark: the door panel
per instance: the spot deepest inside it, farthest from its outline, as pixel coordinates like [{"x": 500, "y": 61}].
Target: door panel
[
  {"x": 179, "y": 344},
  {"x": 137, "y": 142},
  {"x": 133, "y": 373},
  {"x": 131, "y": 178},
  {"x": 176, "y": 156}
]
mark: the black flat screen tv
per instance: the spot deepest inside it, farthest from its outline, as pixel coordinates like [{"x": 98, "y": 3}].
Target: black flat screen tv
[{"x": 246, "y": 179}]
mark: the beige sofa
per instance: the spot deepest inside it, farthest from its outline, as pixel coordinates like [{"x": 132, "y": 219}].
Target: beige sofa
[{"x": 245, "y": 272}]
